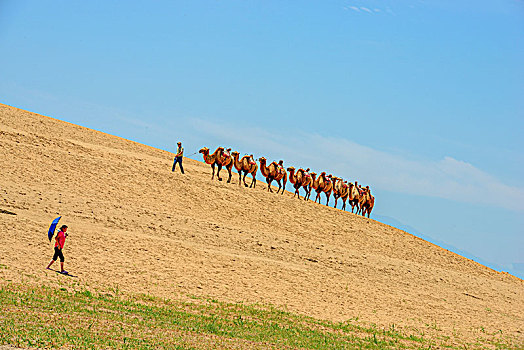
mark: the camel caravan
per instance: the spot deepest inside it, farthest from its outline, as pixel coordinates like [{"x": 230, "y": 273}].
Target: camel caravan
[{"x": 357, "y": 196}]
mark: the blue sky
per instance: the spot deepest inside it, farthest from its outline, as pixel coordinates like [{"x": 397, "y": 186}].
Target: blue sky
[{"x": 422, "y": 100}]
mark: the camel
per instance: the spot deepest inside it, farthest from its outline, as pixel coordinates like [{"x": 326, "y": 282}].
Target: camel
[
  {"x": 361, "y": 198},
  {"x": 340, "y": 190},
  {"x": 370, "y": 204},
  {"x": 273, "y": 172},
  {"x": 323, "y": 184},
  {"x": 354, "y": 196},
  {"x": 300, "y": 178},
  {"x": 247, "y": 166},
  {"x": 209, "y": 159},
  {"x": 309, "y": 186},
  {"x": 215, "y": 159},
  {"x": 225, "y": 160},
  {"x": 367, "y": 201}
]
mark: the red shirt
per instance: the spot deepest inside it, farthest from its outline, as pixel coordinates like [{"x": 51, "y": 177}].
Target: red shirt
[{"x": 60, "y": 240}]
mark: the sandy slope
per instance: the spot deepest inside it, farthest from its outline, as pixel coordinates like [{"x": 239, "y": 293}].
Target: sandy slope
[{"x": 138, "y": 227}]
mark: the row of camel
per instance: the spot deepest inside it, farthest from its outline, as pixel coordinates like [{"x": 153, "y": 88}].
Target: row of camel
[{"x": 357, "y": 196}]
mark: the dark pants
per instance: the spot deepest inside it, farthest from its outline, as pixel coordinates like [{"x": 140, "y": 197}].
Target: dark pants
[
  {"x": 58, "y": 254},
  {"x": 179, "y": 161}
]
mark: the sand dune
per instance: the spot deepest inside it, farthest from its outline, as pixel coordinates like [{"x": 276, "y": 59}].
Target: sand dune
[{"x": 136, "y": 226}]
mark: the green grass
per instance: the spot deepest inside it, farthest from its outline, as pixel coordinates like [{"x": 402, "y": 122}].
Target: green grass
[{"x": 81, "y": 319}]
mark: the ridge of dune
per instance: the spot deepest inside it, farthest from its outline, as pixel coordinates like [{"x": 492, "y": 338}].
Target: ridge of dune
[{"x": 137, "y": 226}]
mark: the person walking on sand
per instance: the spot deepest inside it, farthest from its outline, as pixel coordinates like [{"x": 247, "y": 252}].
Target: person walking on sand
[
  {"x": 59, "y": 245},
  {"x": 178, "y": 157}
]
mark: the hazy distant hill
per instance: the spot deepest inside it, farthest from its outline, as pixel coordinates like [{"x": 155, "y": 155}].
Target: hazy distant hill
[{"x": 515, "y": 269}]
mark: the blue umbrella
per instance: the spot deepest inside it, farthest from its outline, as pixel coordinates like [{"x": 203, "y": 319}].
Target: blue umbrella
[{"x": 52, "y": 228}]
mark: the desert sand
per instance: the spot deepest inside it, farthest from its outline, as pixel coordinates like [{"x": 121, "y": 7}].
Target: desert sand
[{"x": 137, "y": 227}]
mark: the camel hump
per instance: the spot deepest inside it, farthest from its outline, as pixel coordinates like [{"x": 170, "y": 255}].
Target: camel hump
[{"x": 249, "y": 160}]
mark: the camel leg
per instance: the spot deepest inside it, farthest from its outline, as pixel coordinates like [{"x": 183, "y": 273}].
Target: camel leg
[
  {"x": 213, "y": 167},
  {"x": 229, "y": 171},
  {"x": 336, "y": 202},
  {"x": 327, "y": 202},
  {"x": 218, "y": 172},
  {"x": 317, "y": 197},
  {"x": 283, "y": 186},
  {"x": 254, "y": 182},
  {"x": 239, "y": 178},
  {"x": 244, "y": 179},
  {"x": 279, "y": 186},
  {"x": 268, "y": 180},
  {"x": 343, "y": 205}
]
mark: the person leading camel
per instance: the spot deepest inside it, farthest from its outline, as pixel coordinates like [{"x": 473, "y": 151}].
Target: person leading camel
[{"x": 178, "y": 157}]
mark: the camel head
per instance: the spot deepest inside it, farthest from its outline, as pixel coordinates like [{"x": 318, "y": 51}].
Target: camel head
[
  {"x": 262, "y": 160},
  {"x": 204, "y": 150},
  {"x": 234, "y": 153},
  {"x": 291, "y": 168}
]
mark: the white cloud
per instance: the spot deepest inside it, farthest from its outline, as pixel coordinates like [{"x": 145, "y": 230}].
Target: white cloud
[
  {"x": 354, "y": 8},
  {"x": 447, "y": 178},
  {"x": 365, "y": 9}
]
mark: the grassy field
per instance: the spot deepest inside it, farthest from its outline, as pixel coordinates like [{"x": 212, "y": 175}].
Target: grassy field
[{"x": 78, "y": 318}]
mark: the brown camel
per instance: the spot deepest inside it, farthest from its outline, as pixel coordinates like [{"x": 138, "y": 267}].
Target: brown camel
[
  {"x": 215, "y": 159},
  {"x": 361, "y": 198},
  {"x": 247, "y": 166},
  {"x": 224, "y": 159},
  {"x": 209, "y": 159},
  {"x": 354, "y": 196},
  {"x": 323, "y": 184},
  {"x": 340, "y": 190},
  {"x": 273, "y": 172},
  {"x": 300, "y": 178},
  {"x": 367, "y": 201},
  {"x": 309, "y": 186}
]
